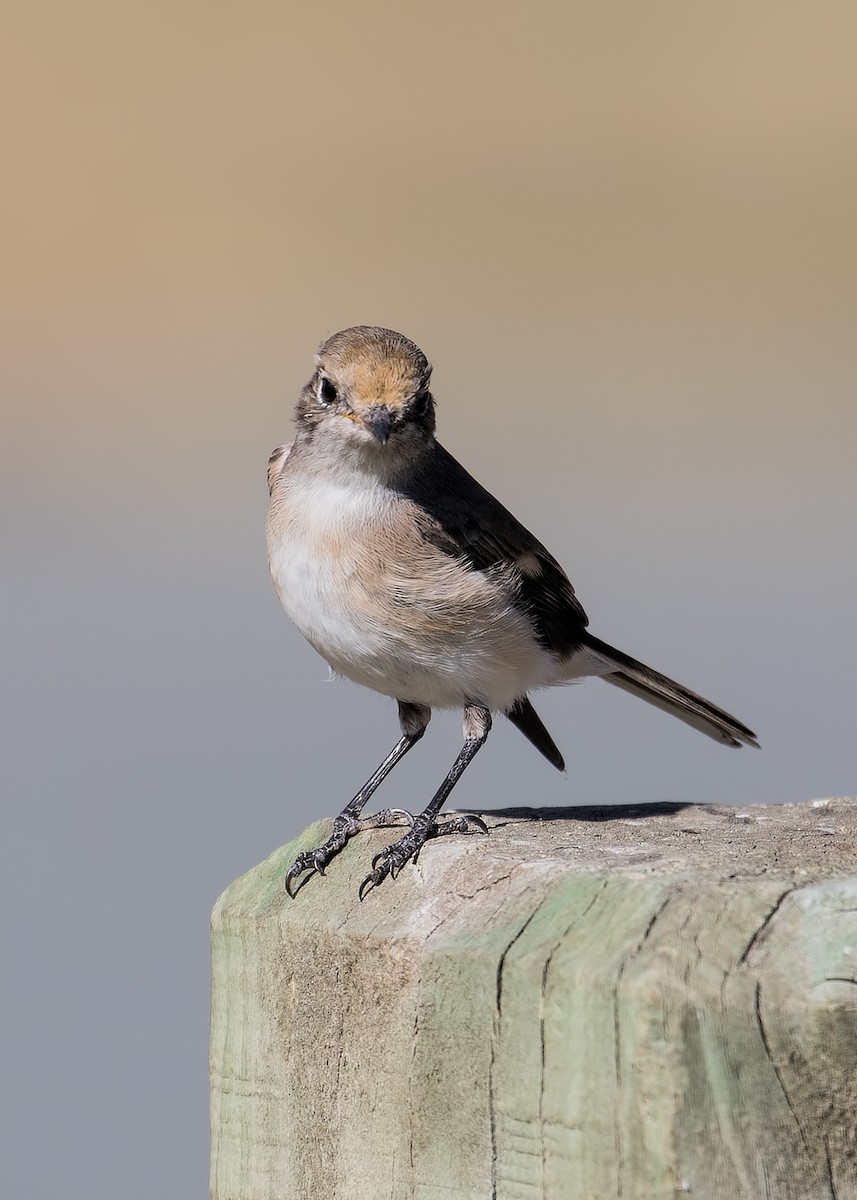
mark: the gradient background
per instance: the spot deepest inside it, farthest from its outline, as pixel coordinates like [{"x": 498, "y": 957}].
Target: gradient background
[{"x": 625, "y": 236}]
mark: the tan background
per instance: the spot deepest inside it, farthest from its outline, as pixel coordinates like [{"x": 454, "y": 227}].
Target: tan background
[{"x": 623, "y": 233}]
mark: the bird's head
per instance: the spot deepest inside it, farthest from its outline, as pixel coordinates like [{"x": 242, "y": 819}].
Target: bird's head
[{"x": 370, "y": 389}]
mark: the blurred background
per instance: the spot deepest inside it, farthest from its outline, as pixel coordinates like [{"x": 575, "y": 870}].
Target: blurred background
[{"x": 624, "y": 235}]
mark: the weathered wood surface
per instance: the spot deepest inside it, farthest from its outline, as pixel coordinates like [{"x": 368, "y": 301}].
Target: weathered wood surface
[{"x": 622, "y": 1003}]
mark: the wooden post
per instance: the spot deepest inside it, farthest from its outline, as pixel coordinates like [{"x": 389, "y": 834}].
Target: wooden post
[{"x": 586, "y": 1005}]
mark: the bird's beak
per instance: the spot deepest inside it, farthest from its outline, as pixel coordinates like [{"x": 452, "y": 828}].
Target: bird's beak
[{"x": 379, "y": 421}]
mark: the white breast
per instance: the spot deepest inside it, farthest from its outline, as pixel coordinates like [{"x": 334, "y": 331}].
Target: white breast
[
  {"x": 313, "y": 551},
  {"x": 386, "y": 609}
]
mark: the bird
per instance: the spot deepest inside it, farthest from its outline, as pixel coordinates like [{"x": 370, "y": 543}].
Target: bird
[{"x": 408, "y": 577}]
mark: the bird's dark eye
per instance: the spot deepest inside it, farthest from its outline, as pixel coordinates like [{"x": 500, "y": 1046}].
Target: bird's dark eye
[
  {"x": 420, "y": 403},
  {"x": 326, "y": 391}
]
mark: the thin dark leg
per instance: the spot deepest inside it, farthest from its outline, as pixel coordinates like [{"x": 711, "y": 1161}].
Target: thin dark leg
[
  {"x": 413, "y": 719},
  {"x": 390, "y": 860}
]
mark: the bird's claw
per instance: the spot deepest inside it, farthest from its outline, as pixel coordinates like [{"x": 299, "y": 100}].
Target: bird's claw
[
  {"x": 391, "y": 859},
  {"x": 313, "y": 861},
  {"x": 302, "y": 863},
  {"x": 459, "y": 824},
  {"x": 344, "y": 827},
  {"x": 317, "y": 859},
  {"x": 376, "y": 876}
]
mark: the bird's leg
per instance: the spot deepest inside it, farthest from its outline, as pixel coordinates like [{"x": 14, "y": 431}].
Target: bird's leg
[
  {"x": 390, "y": 860},
  {"x": 413, "y": 719}
]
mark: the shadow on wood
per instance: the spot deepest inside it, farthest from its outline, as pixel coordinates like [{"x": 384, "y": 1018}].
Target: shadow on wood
[{"x": 644, "y": 1002}]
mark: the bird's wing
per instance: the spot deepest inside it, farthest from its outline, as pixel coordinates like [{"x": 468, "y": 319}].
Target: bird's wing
[
  {"x": 276, "y": 463},
  {"x": 463, "y": 519}
]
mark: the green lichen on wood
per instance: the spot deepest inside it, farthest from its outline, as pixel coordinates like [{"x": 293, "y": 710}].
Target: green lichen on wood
[{"x": 639, "y": 1007}]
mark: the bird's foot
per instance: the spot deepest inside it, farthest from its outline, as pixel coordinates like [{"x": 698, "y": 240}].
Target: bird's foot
[
  {"x": 391, "y": 859},
  {"x": 462, "y": 823},
  {"x": 344, "y": 828}
]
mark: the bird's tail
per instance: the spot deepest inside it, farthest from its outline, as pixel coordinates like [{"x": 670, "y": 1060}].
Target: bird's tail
[{"x": 635, "y": 677}]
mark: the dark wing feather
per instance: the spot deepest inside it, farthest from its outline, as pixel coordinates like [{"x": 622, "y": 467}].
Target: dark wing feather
[
  {"x": 524, "y": 717},
  {"x": 464, "y": 520}
]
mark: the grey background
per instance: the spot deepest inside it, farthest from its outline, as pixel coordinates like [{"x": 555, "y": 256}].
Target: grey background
[{"x": 625, "y": 239}]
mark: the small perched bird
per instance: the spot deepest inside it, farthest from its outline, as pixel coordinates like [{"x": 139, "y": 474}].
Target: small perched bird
[{"x": 409, "y": 577}]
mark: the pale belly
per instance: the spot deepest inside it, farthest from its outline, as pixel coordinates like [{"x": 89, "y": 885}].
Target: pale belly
[{"x": 400, "y": 617}]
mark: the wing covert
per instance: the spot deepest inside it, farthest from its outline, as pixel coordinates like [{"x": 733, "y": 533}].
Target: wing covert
[{"x": 463, "y": 519}]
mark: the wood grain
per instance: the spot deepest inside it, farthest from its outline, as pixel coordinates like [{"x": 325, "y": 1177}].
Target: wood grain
[{"x": 627, "y": 1003}]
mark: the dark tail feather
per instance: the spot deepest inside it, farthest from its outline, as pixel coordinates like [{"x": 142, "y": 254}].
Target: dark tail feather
[
  {"x": 524, "y": 717},
  {"x": 664, "y": 693}
]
